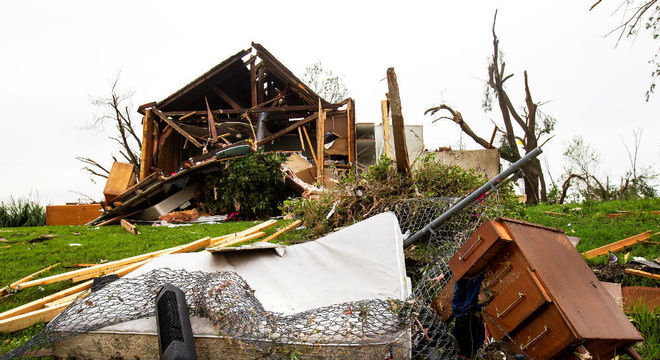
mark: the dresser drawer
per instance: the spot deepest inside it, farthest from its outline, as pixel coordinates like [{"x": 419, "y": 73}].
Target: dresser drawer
[
  {"x": 545, "y": 335},
  {"x": 480, "y": 249},
  {"x": 504, "y": 271},
  {"x": 516, "y": 303}
]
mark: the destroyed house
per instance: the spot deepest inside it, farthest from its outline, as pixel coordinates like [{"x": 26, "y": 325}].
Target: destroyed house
[{"x": 249, "y": 97}]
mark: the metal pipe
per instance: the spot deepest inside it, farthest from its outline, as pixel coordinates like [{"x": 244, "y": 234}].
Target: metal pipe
[{"x": 472, "y": 197}]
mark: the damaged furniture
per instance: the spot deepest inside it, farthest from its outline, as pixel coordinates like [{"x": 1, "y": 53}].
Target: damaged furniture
[{"x": 540, "y": 296}]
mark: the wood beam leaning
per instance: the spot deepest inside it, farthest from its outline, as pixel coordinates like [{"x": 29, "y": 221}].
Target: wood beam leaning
[
  {"x": 287, "y": 129},
  {"x": 176, "y": 127},
  {"x": 398, "y": 126}
]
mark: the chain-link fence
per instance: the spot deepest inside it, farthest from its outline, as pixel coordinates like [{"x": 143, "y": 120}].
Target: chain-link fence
[{"x": 369, "y": 329}]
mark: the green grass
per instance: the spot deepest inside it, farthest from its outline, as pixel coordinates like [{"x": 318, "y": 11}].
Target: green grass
[
  {"x": 101, "y": 244},
  {"x": 648, "y": 323},
  {"x": 588, "y": 222}
]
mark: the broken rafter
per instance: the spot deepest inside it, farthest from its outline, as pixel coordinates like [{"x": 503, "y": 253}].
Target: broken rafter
[
  {"x": 176, "y": 127},
  {"x": 288, "y": 129},
  {"x": 251, "y": 110},
  {"x": 228, "y": 99}
]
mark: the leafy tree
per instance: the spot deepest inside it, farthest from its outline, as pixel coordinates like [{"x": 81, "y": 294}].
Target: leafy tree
[
  {"x": 325, "y": 83},
  {"x": 533, "y": 124}
]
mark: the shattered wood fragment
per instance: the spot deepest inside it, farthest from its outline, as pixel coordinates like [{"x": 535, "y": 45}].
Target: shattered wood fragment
[
  {"x": 618, "y": 245},
  {"x": 643, "y": 274},
  {"x": 385, "y": 113},
  {"x": 256, "y": 228},
  {"x": 302, "y": 142},
  {"x": 311, "y": 148},
  {"x": 180, "y": 216},
  {"x": 291, "y": 226},
  {"x": 129, "y": 227},
  {"x": 211, "y": 121},
  {"x": 15, "y": 284}
]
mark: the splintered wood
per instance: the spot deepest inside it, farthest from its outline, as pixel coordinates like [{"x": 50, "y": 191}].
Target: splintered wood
[{"x": 46, "y": 308}]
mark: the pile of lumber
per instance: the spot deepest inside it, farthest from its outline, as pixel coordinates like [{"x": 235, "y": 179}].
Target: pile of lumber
[{"x": 47, "y": 308}]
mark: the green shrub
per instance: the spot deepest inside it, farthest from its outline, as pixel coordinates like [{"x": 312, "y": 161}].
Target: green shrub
[
  {"x": 356, "y": 198},
  {"x": 21, "y": 212},
  {"x": 252, "y": 185}
]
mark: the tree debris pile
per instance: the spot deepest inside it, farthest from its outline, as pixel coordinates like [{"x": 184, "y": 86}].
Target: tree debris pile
[{"x": 381, "y": 188}]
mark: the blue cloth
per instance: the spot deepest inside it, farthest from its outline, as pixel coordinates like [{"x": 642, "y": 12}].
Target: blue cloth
[{"x": 466, "y": 295}]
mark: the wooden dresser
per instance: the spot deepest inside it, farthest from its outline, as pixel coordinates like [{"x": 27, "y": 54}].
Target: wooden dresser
[{"x": 541, "y": 293}]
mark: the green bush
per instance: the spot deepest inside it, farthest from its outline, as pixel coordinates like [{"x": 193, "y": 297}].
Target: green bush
[
  {"x": 356, "y": 198},
  {"x": 21, "y": 212},
  {"x": 252, "y": 185}
]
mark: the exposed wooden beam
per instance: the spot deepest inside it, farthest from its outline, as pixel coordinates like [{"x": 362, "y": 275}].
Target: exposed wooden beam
[
  {"x": 250, "y": 110},
  {"x": 385, "y": 113},
  {"x": 311, "y": 148},
  {"x": 398, "y": 127},
  {"x": 253, "y": 85},
  {"x": 287, "y": 129},
  {"x": 228, "y": 99},
  {"x": 146, "y": 157},
  {"x": 320, "y": 142},
  {"x": 176, "y": 127}
]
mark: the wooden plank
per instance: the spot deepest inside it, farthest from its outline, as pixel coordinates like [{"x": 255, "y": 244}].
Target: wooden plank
[
  {"x": 176, "y": 127},
  {"x": 286, "y": 108},
  {"x": 311, "y": 148},
  {"x": 618, "y": 245},
  {"x": 238, "y": 240},
  {"x": 146, "y": 157},
  {"x": 385, "y": 113},
  {"x": 320, "y": 142},
  {"x": 211, "y": 122},
  {"x": 643, "y": 273},
  {"x": 129, "y": 227},
  {"x": 253, "y": 85},
  {"x": 28, "y": 319},
  {"x": 65, "y": 300},
  {"x": 15, "y": 284},
  {"x": 76, "y": 273},
  {"x": 264, "y": 225},
  {"x": 302, "y": 142},
  {"x": 39, "y": 303},
  {"x": 228, "y": 99},
  {"x": 287, "y": 129},
  {"x": 398, "y": 126},
  {"x": 293, "y": 225},
  {"x": 350, "y": 119}
]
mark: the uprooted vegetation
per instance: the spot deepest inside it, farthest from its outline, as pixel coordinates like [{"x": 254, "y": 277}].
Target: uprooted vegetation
[
  {"x": 380, "y": 186},
  {"x": 253, "y": 185}
]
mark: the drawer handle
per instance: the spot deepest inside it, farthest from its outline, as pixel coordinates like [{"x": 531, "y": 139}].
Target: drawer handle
[
  {"x": 521, "y": 295},
  {"x": 546, "y": 330},
  {"x": 469, "y": 250},
  {"x": 497, "y": 278}
]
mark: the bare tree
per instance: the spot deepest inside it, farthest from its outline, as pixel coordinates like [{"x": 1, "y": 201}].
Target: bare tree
[
  {"x": 639, "y": 15},
  {"x": 117, "y": 113},
  {"x": 325, "y": 83},
  {"x": 533, "y": 123}
]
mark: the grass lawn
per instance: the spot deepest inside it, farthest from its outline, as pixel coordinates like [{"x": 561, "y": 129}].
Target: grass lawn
[{"x": 97, "y": 245}]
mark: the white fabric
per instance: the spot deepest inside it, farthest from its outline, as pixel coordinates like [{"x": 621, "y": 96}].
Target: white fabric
[{"x": 360, "y": 262}]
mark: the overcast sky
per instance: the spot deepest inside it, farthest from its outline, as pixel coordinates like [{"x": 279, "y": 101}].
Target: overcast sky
[{"x": 57, "y": 56}]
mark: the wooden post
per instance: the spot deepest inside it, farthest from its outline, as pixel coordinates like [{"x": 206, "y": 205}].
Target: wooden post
[
  {"x": 398, "y": 127},
  {"x": 253, "y": 84},
  {"x": 385, "y": 111},
  {"x": 320, "y": 142},
  {"x": 146, "y": 158},
  {"x": 350, "y": 115}
]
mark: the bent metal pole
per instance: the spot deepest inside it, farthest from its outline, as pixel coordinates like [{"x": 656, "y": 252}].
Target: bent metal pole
[{"x": 472, "y": 197}]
